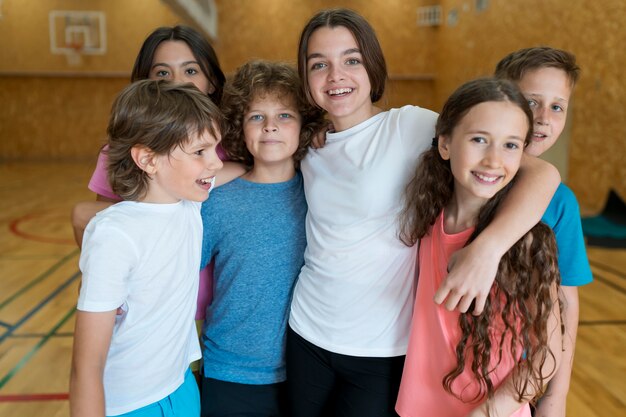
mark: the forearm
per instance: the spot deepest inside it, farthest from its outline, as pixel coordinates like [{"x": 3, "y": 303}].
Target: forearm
[
  {"x": 522, "y": 208},
  {"x": 92, "y": 338},
  {"x": 554, "y": 402},
  {"x": 86, "y": 393}
]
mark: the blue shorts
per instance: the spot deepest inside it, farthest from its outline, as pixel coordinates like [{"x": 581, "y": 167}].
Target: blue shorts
[{"x": 184, "y": 402}]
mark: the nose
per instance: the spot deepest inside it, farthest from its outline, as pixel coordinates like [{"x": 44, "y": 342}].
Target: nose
[
  {"x": 214, "y": 163},
  {"x": 492, "y": 157},
  {"x": 269, "y": 126},
  {"x": 335, "y": 73},
  {"x": 542, "y": 115}
]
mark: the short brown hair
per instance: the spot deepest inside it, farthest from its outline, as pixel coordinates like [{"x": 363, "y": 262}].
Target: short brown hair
[
  {"x": 257, "y": 79},
  {"x": 516, "y": 64},
  {"x": 159, "y": 115},
  {"x": 365, "y": 36}
]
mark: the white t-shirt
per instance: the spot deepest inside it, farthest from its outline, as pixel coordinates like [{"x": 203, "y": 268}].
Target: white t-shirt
[
  {"x": 146, "y": 258},
  {"x": 355, "y": 292}
]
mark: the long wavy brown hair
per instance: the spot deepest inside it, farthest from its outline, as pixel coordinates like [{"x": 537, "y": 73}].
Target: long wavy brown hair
[{"x": 521, "y": 295}]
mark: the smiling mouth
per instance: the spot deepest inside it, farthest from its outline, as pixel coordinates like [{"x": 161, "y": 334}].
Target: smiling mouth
[
  {"x": 538, "y": 137},
  {"x": 488, "y": 179},
  {"x": 340, "y": 91},
  {"x": 207, "y": 183}
]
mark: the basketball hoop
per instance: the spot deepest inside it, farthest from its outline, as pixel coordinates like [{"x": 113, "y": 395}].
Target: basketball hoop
[{"x": 74, "y": 54}]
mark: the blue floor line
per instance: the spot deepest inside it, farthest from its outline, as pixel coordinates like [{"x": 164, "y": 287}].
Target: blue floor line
[{"x": 39, "y": 306}]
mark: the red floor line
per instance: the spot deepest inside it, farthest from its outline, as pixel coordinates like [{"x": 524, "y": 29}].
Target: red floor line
[
  {"x": 14, "y": 228},
  {"x": 61, "y": 396}
]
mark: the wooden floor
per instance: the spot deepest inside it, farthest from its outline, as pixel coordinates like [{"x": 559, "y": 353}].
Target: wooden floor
[{"x": 38, "y": 288}]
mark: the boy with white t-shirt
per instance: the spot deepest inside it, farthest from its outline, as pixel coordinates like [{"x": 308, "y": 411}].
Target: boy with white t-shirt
[{"x": 144, "y": 254}]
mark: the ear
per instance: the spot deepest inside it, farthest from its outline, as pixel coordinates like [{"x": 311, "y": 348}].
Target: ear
[
  {"x": 443, "y": 146},
  {"x": 144, "y": 158}
]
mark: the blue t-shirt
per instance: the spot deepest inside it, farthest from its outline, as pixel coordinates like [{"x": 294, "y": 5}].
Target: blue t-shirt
[
  {"x": 563, "y": 216},
  {"x": 256, "y": 234}
]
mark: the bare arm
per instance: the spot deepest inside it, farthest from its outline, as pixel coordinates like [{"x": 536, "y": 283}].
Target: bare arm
[
  {"x": 92, "y": 338},
  {"x": 83, "y": 212},
  {"x": 554, "y": 402},
  {"x": 229, "y": 172},
  {"x": 473, "y": 268},
  {"x": 504, "y": 402}
]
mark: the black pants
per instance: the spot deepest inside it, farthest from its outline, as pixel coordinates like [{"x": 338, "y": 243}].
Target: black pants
[
  {"x": 326, "y": 384},
  {"x": 221, "y": 399}
]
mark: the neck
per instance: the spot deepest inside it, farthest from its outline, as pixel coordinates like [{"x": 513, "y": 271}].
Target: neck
[
  {"x": 461, "y": 213},
  {"x": 270, "y": 173},
  {"x": 341, "y": 123}
]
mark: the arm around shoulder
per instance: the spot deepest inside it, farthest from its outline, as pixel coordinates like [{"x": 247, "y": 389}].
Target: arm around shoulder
[{"x": 473, "y": 269}]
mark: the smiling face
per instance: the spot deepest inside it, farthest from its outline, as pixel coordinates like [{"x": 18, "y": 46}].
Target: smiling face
[
  {"x": 548, "y": 92},
  {"x": 186, "y": 173},
  {"x": 485, "y": 149},
  {"x": 337, "y": 78},
  {"x": 173, "y": 60},
  {"x": 271, "y": 128}
]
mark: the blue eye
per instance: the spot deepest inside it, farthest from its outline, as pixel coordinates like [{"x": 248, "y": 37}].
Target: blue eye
[
  {"x": 353, "y": 61},
  {"x": 256, "y": 117},
  {"x": 532, "y": 103},
  {"x": 557, "y": 108},
  {"x": 285, "y": 116},
  {"x": 511, "y": 145},
  {"x": 318, "y": 65}
]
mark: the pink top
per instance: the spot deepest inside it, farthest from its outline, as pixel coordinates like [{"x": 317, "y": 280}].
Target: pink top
[
  {"x": 99, "y": 184},
  {"x": 434, "y": 335}
]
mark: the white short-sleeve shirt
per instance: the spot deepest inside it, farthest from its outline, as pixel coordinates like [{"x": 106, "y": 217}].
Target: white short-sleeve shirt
[
  {"x": 146, "y": 258},
  {"x": 355, "y": 292}
]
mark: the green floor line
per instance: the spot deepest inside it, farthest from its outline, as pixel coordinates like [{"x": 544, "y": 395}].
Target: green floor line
[
  {"x": 40, "y": 278},
  {"x": 35, "y": 349}
]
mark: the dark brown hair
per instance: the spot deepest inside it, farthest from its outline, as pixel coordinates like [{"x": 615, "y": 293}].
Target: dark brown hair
[
  {"x": 373, "y": 58},
  {"x": 159, "y": 115},
  {"x": 516, "y": 64},
  {"x": 260, "y": 78},
  {"x": 521, "y": 294},
  {"x": 200, "y": 48}
]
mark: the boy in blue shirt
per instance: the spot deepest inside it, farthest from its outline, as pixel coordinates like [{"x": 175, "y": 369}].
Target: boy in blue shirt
[
  {"x": 546, "y": 76},
  {"x": 254, "y": 230}
]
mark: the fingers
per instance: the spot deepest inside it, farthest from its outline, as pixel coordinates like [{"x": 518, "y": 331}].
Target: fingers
[{"x": 479, "y": 305}]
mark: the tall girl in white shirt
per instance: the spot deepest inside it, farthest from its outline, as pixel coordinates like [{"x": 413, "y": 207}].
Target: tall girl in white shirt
[{"x": 352, "y": 305}]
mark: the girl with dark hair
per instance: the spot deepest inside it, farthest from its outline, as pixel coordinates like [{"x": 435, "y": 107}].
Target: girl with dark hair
[
  {"x": 458, "y": 364},
  {"x": 353, "y": 301},
  {"x": 179, "y": 54}
]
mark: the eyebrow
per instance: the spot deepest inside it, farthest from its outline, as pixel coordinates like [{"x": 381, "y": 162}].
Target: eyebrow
[
  {"x": 163, "y": 64},
  {"x": 346, "y": 52},
  {"x": 542, "y": 96}
]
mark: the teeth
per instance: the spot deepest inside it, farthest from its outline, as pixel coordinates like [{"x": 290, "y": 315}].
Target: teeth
[
  {"x": 339, "y": 91},
  {"x": 485, "y": 178}
]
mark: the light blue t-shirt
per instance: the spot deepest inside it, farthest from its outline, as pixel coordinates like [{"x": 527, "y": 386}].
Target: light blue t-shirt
[
  {"x": 563, "y": 217},
  {"x": 256, "y": 234}
]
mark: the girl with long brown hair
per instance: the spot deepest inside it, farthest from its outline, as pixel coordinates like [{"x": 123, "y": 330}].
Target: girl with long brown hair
[{"x": 459, "y": 364}]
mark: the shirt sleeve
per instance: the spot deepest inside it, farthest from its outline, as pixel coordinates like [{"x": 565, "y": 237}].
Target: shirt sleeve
[
  {"x": 107, "y": 260},
  {"x": 99, "y": 182},
  {"x": 417, "y": 129},
  {"x": 572, "y": 254}
]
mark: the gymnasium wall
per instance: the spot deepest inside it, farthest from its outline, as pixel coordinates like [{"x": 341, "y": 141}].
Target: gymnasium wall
[
  {"x": 50, "y": 110},
  {"x": 595, "y": 32}
]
